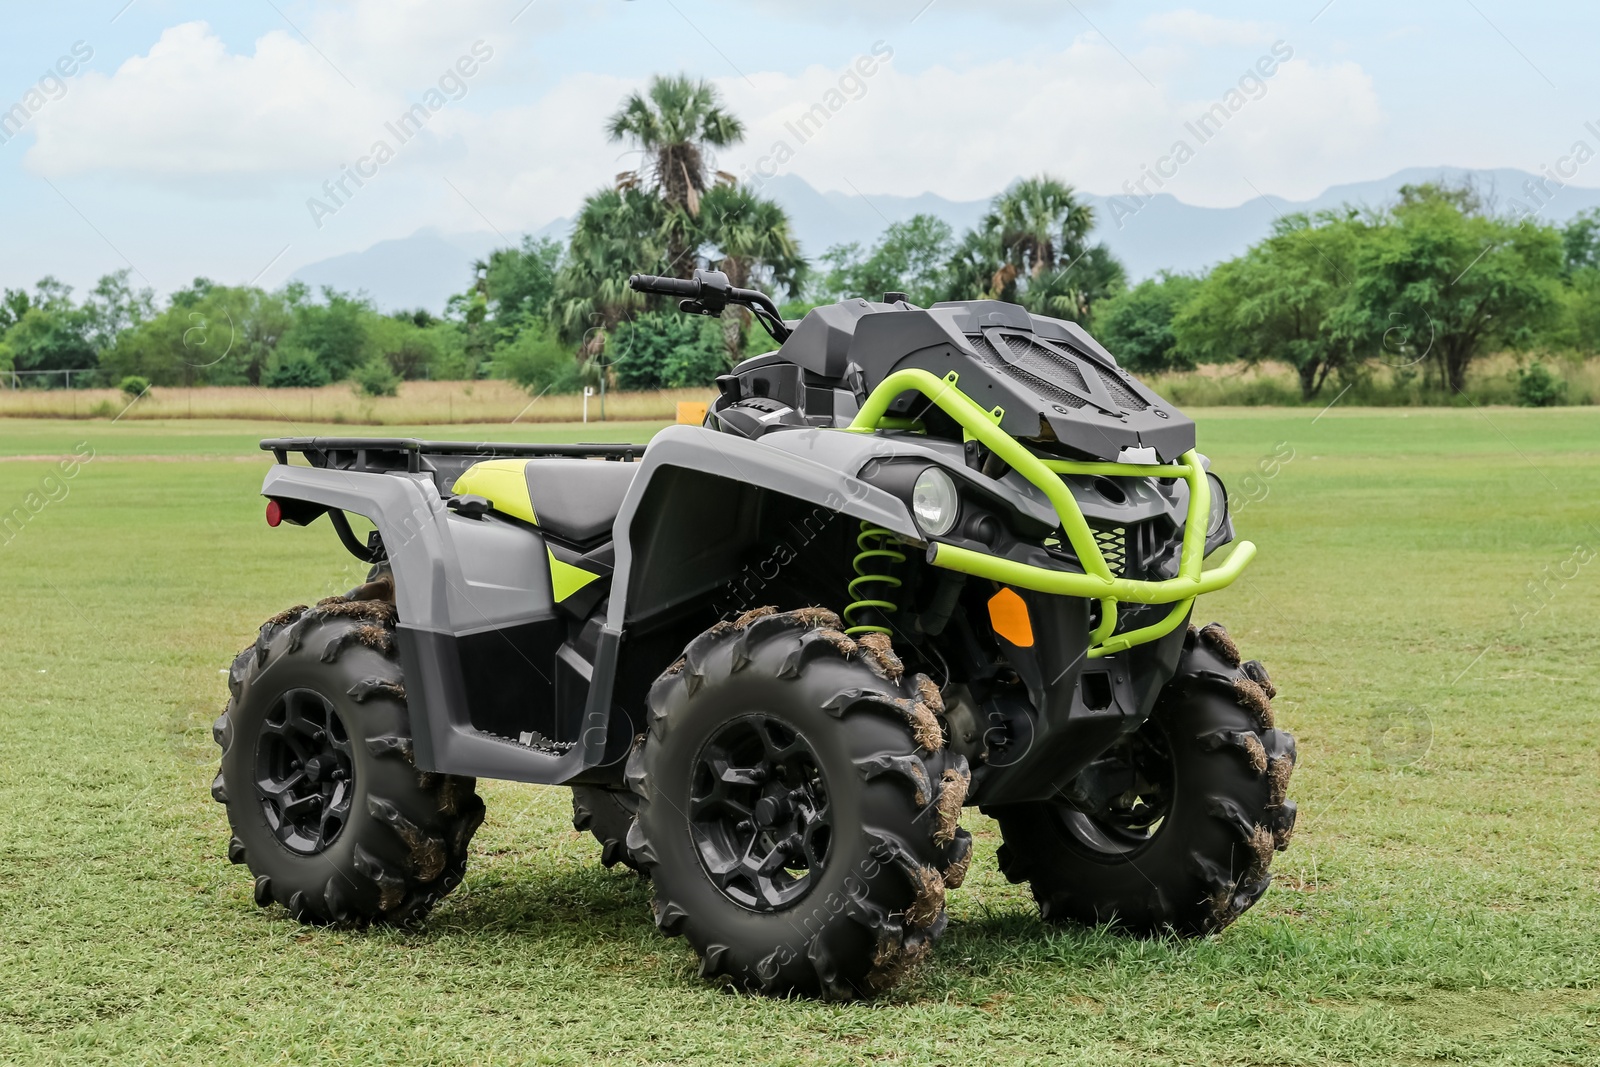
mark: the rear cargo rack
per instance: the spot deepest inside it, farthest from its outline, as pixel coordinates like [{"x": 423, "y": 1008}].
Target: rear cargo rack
[
  {"x": 380, "y": 454},
  {"x": 443, "y": 461}
]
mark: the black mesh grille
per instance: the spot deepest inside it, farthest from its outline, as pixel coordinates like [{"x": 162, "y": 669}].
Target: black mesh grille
[
  {"x": 1051, "y": 374},
  {"x": 1043, "y": 363},
  {"x": 1043, "y": 386},
  {"x": 1124, "y": 396}
]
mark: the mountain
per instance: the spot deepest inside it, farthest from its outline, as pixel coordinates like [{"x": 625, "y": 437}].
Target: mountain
[
  {"x": 1163, "y": 233},
  {"x": 420, "y": 271}
]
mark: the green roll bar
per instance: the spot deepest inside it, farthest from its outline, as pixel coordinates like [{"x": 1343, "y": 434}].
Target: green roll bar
[{"x": 1096, "y": 581}]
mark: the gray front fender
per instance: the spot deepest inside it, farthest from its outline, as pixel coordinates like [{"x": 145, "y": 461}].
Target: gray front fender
[{"x": 816, "y": 475}]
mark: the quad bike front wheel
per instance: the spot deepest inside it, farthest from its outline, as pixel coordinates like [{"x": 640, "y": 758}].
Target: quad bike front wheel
[
  {"x": 327, "y": 810},
  {"x": 797, "y": 806},
  {"x": 1174, "y": 828}
]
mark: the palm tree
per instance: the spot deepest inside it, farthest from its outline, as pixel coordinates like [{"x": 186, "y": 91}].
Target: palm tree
[
  {"x": 1040, "y": 221},
  {"x": 1031, "y": 249},
  {"x": 1073, "y": 291},
  {"x": 978, "y": 270},
  {"x": 672, "y": 124},
  {"x": 753, "y": 246},
  {"x": 617, "y": 232}
]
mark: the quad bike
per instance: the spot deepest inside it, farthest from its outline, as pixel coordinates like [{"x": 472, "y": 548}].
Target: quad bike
[{"x": 916, "y": 559}]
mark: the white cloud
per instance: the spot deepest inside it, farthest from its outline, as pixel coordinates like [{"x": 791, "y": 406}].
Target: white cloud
[
  {"x": 284, "y": 116},
  {"x": 1203, "y": 29},
  {"x": 1081, "y": 113},
  {"x": 893, "y": 12},
  {"x": 189, "y": 107}
]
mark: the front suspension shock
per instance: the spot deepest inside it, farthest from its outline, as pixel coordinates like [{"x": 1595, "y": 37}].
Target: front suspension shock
[{"x": 870, "y": 590}]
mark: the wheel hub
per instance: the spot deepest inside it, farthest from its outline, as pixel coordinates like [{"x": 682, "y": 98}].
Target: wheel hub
[
  {"x": 759, "y": 812},
  {"x": 303, "y": 775},
  {"x": 1120, "y": 802}
]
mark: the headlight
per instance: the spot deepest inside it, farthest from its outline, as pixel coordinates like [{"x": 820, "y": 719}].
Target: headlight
[
  {"x": 1219, "y": 506},
  {"x": 934, "y": 502}
]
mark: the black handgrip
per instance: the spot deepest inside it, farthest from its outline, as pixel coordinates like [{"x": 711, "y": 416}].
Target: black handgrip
[{"x": 651, "y": 283}]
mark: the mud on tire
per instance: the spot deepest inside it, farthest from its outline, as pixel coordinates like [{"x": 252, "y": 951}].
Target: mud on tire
[
  {"x": 357, "y": 834},
  {"x": 825, "y": 742},
  {"x": 1207, "y": 860}
]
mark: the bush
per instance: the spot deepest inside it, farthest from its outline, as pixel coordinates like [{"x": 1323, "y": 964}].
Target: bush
[
  {"x": 537, "y": 360},
  {"x": 294, "y": 368},
  {"x": 376, "y": 378},
  {"x": 667, "y": 350},
  {"x": 1538, "y": 387},
  {"x": 134, "y": 386}
]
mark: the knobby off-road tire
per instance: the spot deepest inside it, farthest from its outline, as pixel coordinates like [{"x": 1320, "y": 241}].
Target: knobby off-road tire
[
  {"x": 318, "y": 709},
  {"x": 1223, "y": 810},
  {"x": 607, "y": 814},
  {"x": 819, "y": 740}
]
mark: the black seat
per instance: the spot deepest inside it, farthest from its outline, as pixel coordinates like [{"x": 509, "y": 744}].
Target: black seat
[{"x": 577, "y": 499}]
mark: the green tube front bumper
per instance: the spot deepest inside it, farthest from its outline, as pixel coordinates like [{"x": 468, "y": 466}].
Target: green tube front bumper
[{"x": 1096, "y": 580}]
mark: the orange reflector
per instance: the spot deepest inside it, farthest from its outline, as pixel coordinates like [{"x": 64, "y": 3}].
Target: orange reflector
[{"x": 1008, "y": 614}]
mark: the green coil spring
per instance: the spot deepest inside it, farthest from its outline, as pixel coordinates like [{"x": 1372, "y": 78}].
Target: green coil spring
[{"x": 868, "y": 590}]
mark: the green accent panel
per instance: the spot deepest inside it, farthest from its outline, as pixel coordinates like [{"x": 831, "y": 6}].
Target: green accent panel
[
  {"x": 1097, "y": 580},
  {"x": 504, "y": 483},
  {"x": 565, "y": 579}
]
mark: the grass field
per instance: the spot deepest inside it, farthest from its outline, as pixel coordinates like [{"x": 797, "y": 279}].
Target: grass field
[{"x": 1438, "y": 904}]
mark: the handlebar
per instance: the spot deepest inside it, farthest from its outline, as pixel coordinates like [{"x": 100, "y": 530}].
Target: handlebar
[
  {"x": 651, "y": 283},
  {"x": 708, "y": 292}
]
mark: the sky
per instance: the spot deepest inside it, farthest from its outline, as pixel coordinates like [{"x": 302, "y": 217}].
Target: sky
[{"x": 242, "y": 140}]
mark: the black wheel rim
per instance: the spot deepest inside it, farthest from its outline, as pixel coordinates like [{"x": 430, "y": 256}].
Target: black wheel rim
[
  {"x": 1122, "y": 800},
  {"x": 304, "y": 773},
  {"x": 759, "y": 813}
]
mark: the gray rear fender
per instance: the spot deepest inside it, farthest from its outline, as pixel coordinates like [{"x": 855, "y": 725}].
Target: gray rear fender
[
  {"x": 482, "y": 645},
  {"x": 452, "y": 574}
]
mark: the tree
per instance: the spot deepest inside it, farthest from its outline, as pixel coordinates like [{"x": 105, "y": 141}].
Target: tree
[
  {"x": 519, "y": 283},
  {"x": 1075, "y": 289},
  {"x": 672, "y": 124},
  {"x": 13, "y": 305},
  {"x": 1278, "y": 302},
  {"x": 667, "y": 350},
  {"x": 52, "y": 337},
  {"x": 114, "y": 306},
  {"x": 1456, "y": 281},
  {"x": 537, "y": 360},
  {"x": 617, "y": 232},
  {"x": 750, "y": 241},
  {"x": 334, "y": 331},
  {"x": 976, "y": 268},
  {"x": 1032, "y": 249},
  {"x": 1580, "y": 241},
  {"x": 1136, "y": 326},
  {"x": 1040, "y": 221},
  {"x": 910, "y": 257},
  {"x": 47, "y": 332},
  {"x": 409, "y": 352},
  {"x": 208, "y": 335}
]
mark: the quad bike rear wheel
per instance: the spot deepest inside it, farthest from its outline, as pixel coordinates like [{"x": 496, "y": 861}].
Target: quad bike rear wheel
[
  {"x": 327, "y": 809},
  {"x": 797, "y": 807},
  {"x": 607, "y": 814},
  {"x": 1174, "y": 828}
]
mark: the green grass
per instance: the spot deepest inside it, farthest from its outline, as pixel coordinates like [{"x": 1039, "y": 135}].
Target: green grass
[{"x": 1438, "y": 902}]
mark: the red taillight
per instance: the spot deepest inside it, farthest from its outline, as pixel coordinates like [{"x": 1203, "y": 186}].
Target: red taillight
[{"x": 274, "y": 513}]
